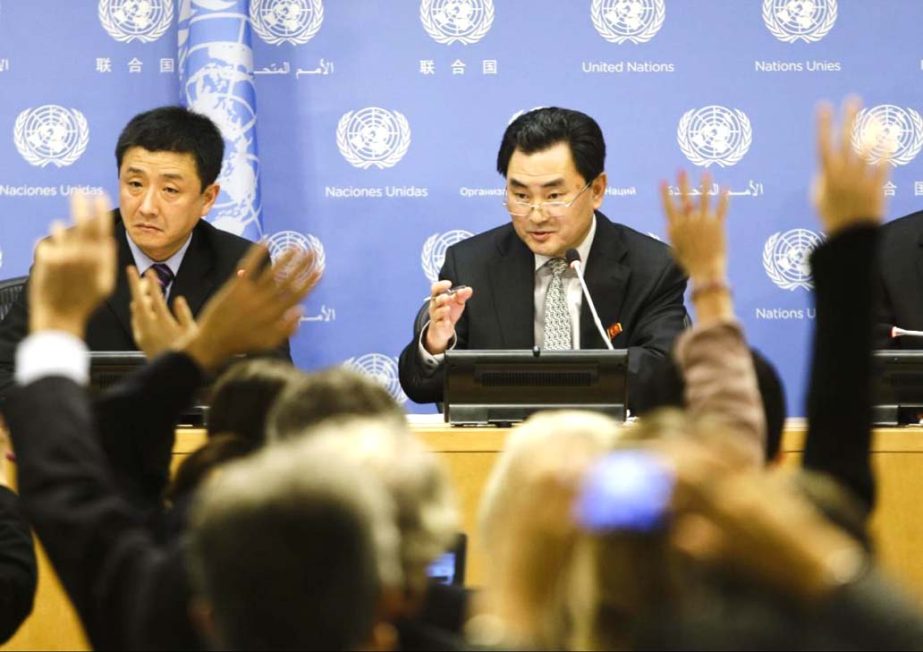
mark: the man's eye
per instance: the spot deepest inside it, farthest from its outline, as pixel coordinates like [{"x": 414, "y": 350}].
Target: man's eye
[
  {"x": 134, "y": 184},
  {"x": 521, "y": 197},
  {"x": 554, "y": 196},
  {"x": 171, "y": 191}
]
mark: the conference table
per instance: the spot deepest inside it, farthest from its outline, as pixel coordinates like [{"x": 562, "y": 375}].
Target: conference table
[{"x": 469, "y": 454}]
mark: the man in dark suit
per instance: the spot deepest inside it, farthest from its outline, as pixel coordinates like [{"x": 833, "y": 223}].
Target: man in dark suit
[
  {"x": 901, "y": 281},
  {"x": 517, "y": 294},
  {"x": 168, "y": 160}
]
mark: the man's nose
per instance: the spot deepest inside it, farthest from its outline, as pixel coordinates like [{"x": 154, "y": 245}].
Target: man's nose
[{"x": 149, "y": 201}]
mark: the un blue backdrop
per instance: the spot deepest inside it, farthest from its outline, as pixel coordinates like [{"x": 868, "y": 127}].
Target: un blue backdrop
[{"x": 373, "y": 127}]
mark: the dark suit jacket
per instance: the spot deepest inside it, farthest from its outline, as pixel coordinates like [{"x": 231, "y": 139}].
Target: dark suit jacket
[
  {"x": 18, "y": 570},
  {"x": 130, "y": 592},
  {"x": 211, "y": 258},
  {"x": 900, "y": 281},
  {"x": 631, "y": 277}
]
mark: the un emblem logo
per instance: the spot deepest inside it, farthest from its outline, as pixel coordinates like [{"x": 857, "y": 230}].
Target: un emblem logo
[
  {"x": 286, "y": 21},
  {"x": 799, "y": 20},
  {"x": 888, "y": 133},
  {"x": 462, "y": 21},
  {"x": 279, "y": 242},
  {"x": 433, "y": 255},
  {"x": 382, "y": 369},
  {"x": 136, "y": 20},
  {"x": 51, "y": 134},
  {"x": 373, "y": 136},
  {"x": 714, "y": 135},
  {"x": 635, "y": 21},
  {"x": 786, "y": 258}
]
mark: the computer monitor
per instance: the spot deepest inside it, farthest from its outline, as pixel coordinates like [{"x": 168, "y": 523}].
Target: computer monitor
[
  {"x": 506, "y": 386},
  {"x": 897, "y": 388},
  {"x": 109, "y": 367}
]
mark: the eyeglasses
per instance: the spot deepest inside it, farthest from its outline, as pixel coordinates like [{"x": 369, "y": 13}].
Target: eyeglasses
[{"x": 518, "y": 208}]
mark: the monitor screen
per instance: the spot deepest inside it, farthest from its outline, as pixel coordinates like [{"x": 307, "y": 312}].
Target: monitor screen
[
  {"x": 503, "y": 387},
  {"x": 449, "y": 567},
  {"x": 897, "y": 387}
]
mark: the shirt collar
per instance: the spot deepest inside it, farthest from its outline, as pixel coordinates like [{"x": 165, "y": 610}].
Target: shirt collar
[
  {"x": 583, "y": 248},
  {"x": 143, "y": 262}
]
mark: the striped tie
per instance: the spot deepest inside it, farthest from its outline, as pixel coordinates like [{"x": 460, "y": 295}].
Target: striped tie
[{"x": 164, "y": 275}]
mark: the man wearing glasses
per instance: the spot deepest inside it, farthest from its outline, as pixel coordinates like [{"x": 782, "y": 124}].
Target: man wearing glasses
[{"x": 510, "y": 287}]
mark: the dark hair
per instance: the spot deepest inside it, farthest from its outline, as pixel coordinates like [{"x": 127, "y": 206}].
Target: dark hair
[
  {"x": 540, "y": 129},
  {"x": 195, "y": 468},
  {"x": 664, "y": 387},
  {"x": 176, "y": 129},
  {"x": 244, "y": 394},
  {"x": 334, "y": 392}
]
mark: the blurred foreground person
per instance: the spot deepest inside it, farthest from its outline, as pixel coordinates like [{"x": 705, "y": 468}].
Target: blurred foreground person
[
  {"x": 425, "y": 511},
  {"x": 290, "y": 549},
  {"x": 129, "y": 591}
]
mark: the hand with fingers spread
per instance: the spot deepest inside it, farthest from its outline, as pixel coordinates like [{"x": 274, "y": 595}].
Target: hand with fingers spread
[
  {"x": 255, "y": 310},
  {"x": 153, "y": 326},
  {"x": 445, "y": 309},
  {"x": 697, "y": 233},
  {"x": 74, "y": 269},
  {"x": 696, "y": 230},
  {"x": 848, "y": 189}
]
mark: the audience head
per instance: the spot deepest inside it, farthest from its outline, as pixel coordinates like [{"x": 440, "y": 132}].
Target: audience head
[
  {"x": 289, "y": 549},
  {"x": 665, "y": 388},
  {"x": 419, "y": 486},
  {"x": 526, "y": 524},
  {"x": 195, "y": 469},
  {"x": 244, "y": 394},
  {"x": 336, "y": 392}
]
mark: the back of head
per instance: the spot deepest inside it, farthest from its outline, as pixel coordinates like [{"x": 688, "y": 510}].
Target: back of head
[
  {"x": 290, "y": 549},
  {"x": 664, "y": 387},
  {"x": 540, "y": 129},
  {"x": 176, "y": 129},
  {"x": 526, "y": 524},
  {"x": 333, "y": 393},
  {"x": 244, "y": 394},
  {"x": 419, "y": 486}
]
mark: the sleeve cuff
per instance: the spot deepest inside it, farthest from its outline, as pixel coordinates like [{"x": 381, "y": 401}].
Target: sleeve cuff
[
  {"x": 52, "y": 353},
  {"x": 430, "y": 361}
]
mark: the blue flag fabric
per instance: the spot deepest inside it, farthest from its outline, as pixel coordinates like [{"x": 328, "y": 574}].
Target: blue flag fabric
[{"x": 216, "y": 79}]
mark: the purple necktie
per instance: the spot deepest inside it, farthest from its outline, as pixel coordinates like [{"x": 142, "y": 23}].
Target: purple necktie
[{"x": 164, "y": 275}]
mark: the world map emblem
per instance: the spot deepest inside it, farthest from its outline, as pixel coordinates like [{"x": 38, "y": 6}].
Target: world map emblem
[
  {"x": 382, "y": 369},
  {"x": 282, "y": 240},
  {"x": 51, "y": 134},
  {"x": 286, "y": 21},
  {"x": 634, "y": 21},
  {"x": 433, "y": 255},
  {"x": 373, "y": 137},
  {"x": 457, "y": 21},
  {"x": 888, "y": 133},
  {"x": 714, "y": 135},
  {"x": 136, "y": 20},
  {"x": 799, "y": 20},
  {"x": 786, "y": 258}
]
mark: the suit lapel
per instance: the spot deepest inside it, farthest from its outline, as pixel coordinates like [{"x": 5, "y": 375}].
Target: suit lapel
[
  {"x": 195, "y": 278},
  {"x": 120, "y": 300},
  {"x": 512, "y": 280},
  {"x": 607, "y": 279}
]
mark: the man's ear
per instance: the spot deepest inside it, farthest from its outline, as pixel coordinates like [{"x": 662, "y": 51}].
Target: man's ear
[
  {"x": 598, "y": 188},
  {"x": 210, "y": 194}
]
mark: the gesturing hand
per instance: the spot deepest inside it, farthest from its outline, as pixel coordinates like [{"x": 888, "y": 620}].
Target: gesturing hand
[
  {"x": 154, "y": 327},
  {"x": 696, "y": 230},
  {"x": 445, "y": 309},
  {"x": 74, "y": 269},
  {"x": 848, "y": 189},
  {"x": 255, "y": 310}
]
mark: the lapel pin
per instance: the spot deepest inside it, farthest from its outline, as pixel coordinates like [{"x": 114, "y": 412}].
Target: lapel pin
[{"x": 614, "y": 329}]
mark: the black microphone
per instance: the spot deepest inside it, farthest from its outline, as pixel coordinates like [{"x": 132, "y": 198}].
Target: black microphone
[{"x": 573, "y": 260}]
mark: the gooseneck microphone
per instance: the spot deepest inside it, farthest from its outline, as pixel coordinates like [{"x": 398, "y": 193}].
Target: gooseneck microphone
[{"x": 573, "y": 260}]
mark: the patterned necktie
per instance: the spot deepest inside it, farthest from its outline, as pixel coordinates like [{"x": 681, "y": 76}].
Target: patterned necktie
[
  {"x": 164, "y": 275},
  {"x": 558, "y": 332}
]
